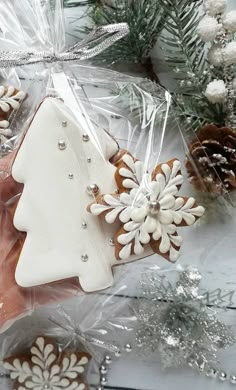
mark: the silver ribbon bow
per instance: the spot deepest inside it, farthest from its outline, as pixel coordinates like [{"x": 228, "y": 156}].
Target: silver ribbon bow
[{"x": 96, "y": 42}]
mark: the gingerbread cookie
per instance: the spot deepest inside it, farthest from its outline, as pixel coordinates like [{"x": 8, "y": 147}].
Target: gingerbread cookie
[
  {"x": 44, "y": 367},
  {"x": 10, "y": 99},
  {"x": 64, "y": 240},
  {"x": 147, "y": 208}
]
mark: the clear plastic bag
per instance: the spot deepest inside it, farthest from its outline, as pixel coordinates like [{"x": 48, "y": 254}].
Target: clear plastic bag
[
  {"x": 92, "y": 174},
  {"x": 75, "y": 104},
  {"x": 96, "y": 155}
]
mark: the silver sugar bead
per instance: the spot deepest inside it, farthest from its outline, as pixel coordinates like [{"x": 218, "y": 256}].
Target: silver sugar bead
[
  {"x": 233, "y": 379},
  {"x": 61, "y": 145},
  {"x": 84, "y": 257},
  {"x": 111, "y": 242},
  {"x": 103, "y": 380},
  {"x": 84, "y": 225},
  {"x": 108, "y": 359},
  {"x": 89, "y": 160},
  {"x": 85, "y": 137},
  {"x": 46, "y": 387},
  {"x": 71, "y": 176},
  {"x": 222, "y": 376},
  {"x": 103, "y": 369},
  {"x": 92, "y": 189},
  {"x": 128, "y": 347},
  {"x": 100, "y": 388},
  {"x": 154, "y": 207},
  {"x": 64, "y": 123}
]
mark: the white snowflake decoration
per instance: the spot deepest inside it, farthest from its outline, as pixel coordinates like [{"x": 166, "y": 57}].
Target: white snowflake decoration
[
  {"x": 147, "y": 208},
  {"x": 46, "y": 369}
]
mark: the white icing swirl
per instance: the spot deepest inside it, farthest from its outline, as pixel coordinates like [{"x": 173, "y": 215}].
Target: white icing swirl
[
  {"x": 9, "y": 100},
  {"x": 43, "y": 369}
]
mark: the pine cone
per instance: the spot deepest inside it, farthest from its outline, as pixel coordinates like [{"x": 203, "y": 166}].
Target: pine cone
[{"x": 211, "y": 164}]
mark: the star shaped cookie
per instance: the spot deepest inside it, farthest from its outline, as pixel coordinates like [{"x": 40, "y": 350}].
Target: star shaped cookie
[
  {"x": 147, "y": 207},
  {"x": 45, "y": 367}
]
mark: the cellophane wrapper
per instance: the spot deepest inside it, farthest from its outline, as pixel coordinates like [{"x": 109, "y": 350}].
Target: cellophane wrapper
[{"x": 117, "y": 112}]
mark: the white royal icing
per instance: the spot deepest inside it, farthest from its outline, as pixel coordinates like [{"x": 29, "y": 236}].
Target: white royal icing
[
  {"x": 42, "y": 369},
  {"x": 52, "y": 207},
  {"x": 132, "y": 208},
  {"x": 9, "y": 100}
]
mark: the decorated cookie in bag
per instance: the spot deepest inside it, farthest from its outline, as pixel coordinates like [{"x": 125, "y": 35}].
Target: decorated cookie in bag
[
  {"x": 45, "y": 367},
  {"x": 65, "y": 240}
]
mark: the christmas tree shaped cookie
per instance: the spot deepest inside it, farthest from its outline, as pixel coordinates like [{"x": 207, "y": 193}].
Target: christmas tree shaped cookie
[
  {"x": 66, "y": 171},
  {"x": 62, "y": 168}
]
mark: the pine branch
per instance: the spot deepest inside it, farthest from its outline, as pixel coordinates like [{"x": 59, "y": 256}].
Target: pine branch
[
  {"x": 145, "y": 19},
  {"x": 184, "y": 50},
  {"x": 185, "y": 55}
]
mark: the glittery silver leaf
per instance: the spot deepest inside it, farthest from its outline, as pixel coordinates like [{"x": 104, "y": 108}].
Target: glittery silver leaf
[{"x": 175, "y": 321}]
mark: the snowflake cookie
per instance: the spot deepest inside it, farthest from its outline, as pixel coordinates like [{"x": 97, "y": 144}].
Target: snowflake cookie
[
  {"x": 46, "y": 368},
  {"x": 147, "y": 207},
  {"x": 10, "y": 99}
]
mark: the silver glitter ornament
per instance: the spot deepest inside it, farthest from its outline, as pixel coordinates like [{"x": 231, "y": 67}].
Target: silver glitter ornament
[
  {"x": 85, "y": 137},
  {"x": 174, "y": 322},
  {"x": 84, "y": 257},
  {"x": 61, "y": 145},
  {"x": 92, "y": 189}
]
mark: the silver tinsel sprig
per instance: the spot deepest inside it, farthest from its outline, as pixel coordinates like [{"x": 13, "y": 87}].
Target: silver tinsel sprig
[{"x": 175, "y": 322}]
